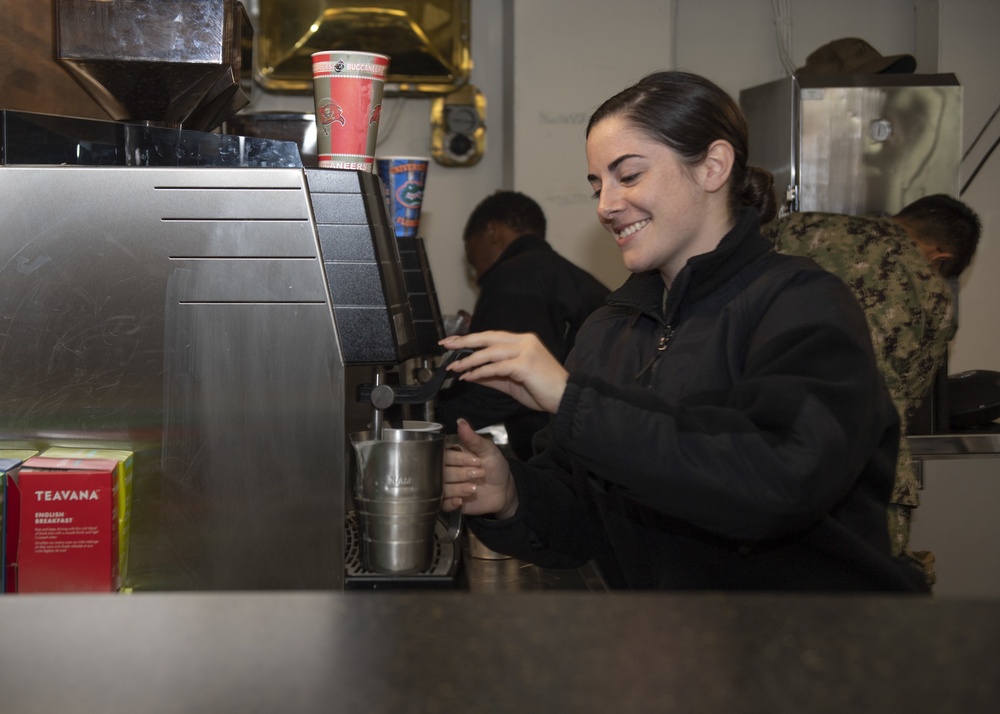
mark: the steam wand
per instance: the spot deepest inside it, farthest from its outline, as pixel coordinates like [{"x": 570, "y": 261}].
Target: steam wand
[
  {"x": 377, "y": 417},
  {"x": 382, "y": 395}
]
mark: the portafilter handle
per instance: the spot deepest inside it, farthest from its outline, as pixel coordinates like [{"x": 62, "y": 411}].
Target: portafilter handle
[{"x": 383, "y": 396}]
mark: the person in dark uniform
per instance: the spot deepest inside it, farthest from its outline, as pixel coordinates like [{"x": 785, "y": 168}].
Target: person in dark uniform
[
  {"x": 525, "y": 286},
  {"x": 901, "y": 269}
]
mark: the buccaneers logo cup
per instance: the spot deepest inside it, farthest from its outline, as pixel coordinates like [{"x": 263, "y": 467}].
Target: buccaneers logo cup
[{"x": 347, "y": 89}]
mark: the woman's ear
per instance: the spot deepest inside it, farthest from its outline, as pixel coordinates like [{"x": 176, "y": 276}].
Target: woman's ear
[{"x": 717, "y": 165}]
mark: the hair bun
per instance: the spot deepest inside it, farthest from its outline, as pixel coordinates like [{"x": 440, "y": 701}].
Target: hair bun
[{"x": 758, "y": 191}]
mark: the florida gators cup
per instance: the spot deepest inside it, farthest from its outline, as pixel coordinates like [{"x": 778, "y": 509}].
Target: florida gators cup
[
  {"x": 347, "y": 89},
  {"x": 403, "y": 179}
]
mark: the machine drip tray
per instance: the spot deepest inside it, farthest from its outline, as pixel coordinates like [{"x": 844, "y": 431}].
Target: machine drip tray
[{"x": 443, "y": 572}]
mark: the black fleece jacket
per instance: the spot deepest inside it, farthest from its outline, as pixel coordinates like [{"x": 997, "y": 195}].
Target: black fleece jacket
[{"x": 742, "y": 440}]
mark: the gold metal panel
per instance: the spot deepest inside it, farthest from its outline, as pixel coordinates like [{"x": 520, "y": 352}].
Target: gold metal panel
[{"x": 428, "y": 41}]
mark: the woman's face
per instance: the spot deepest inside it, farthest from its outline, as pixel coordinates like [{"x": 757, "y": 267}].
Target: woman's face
[{"x": 657, "y": 208}]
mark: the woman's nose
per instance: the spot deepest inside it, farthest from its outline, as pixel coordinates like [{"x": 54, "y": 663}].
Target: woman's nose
[{"x": 608, "y": 203}]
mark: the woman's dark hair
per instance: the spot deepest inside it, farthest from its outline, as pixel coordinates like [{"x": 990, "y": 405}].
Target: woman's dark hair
[{"x": 687, "y": 113}]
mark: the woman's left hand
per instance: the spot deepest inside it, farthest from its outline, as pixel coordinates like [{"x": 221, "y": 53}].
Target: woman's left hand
[{"x": 516, "y": 364}]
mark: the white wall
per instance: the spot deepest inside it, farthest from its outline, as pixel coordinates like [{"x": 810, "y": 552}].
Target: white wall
[
  {"x": 734, "y": 42},
  {"x": 569, "y": 56},
  {"x": 969, "y": 46}
]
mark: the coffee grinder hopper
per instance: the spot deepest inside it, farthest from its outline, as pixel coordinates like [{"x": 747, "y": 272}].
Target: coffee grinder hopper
[{"x": 162, "y": 62}]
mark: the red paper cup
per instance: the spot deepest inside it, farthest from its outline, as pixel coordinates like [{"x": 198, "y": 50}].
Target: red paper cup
[{"x": 347, "y": 89}]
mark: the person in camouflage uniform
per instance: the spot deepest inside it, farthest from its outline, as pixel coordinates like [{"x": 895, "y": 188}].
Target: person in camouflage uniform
[{"x": 899, "y": 268}]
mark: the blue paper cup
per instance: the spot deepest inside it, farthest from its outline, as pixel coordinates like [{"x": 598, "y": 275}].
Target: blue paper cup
[{"x": 403, "y": 179}]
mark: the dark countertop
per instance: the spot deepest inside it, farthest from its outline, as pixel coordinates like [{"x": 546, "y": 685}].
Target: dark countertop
[{"x": 528, "y": 652}]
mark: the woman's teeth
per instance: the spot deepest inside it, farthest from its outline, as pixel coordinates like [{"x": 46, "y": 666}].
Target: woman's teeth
[{"x": 629, "y": 230}]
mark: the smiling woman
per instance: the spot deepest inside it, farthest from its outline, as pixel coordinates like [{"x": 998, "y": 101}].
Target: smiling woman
[{"x": 721, "y": 424}]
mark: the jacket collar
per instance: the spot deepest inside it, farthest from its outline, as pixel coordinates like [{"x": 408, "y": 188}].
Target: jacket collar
[
  {"x": 702, "y": 275},
  {"x": 522, "y": 244}
]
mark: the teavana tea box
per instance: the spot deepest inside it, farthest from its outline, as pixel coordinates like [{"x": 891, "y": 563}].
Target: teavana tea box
[
  {"x": 67, "y": 530},
  {"x": 124, "y": 493}
]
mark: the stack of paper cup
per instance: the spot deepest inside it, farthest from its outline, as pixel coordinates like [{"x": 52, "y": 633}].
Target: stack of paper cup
[
  {"x": 403, "y": 179},
  {"x": 348, "y": 95}
]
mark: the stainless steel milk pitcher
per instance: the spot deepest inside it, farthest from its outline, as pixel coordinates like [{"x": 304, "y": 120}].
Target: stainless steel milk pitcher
[{"x": 396, "y": 487}]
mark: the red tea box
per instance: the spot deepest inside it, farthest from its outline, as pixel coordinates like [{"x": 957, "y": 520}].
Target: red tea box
[
  {"x": 124, "y": 490},
  {"x": 67, "y": 534}
]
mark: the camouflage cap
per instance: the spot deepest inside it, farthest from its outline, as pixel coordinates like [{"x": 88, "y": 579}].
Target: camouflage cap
[{"x": 851, "y": 55}]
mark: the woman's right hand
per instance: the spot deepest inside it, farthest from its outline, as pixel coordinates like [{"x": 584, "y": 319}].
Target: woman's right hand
[
  {"x": 517, "y": 364},
  {"x": 477, "y": 477}
]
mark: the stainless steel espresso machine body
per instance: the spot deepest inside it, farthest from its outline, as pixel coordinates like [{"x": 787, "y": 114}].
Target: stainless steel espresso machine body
[
  {"x": 197, "y": 309},
  {"x": 192, "y": 297}
]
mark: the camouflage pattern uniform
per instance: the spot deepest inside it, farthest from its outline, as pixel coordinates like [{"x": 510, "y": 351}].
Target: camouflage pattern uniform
[{"x": 910, "y": 311}]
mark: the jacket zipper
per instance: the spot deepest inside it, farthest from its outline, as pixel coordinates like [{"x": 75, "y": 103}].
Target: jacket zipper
[{"x": 651, "y": 368}]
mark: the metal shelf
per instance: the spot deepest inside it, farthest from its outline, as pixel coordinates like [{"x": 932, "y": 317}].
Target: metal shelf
[{"x": 955, "y": 445}]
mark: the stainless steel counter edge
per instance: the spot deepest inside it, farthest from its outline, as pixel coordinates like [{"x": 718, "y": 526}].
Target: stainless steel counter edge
[
  {"x": 955, "y": 445},
  {"x": 462, "y": 652}
]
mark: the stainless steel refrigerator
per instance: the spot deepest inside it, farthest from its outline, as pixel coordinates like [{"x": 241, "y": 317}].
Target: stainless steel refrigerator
[{"x": 857, "y": 144}]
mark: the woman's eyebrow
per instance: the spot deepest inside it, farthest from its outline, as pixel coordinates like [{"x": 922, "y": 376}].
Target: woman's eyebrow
[
  {"x": 616, "y": 163},
  {"x": 624, "y": 157}
]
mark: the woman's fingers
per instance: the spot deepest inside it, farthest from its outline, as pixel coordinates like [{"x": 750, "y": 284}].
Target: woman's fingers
[
  {"x": 480, "y": 343},
  {"x": 517, "y": 364},
  {"x": 493, "y": 348},
  {"x": 476, "y": 475},
  {"x": 497, "y": 354},
  {"x": 462, "y": 466}
]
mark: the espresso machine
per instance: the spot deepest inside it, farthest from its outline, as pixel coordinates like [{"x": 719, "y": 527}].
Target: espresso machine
[{"x": 195, "y": 298}]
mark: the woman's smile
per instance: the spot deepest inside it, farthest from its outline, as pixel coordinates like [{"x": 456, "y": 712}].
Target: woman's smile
[{"x": 631, "y": 228}]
